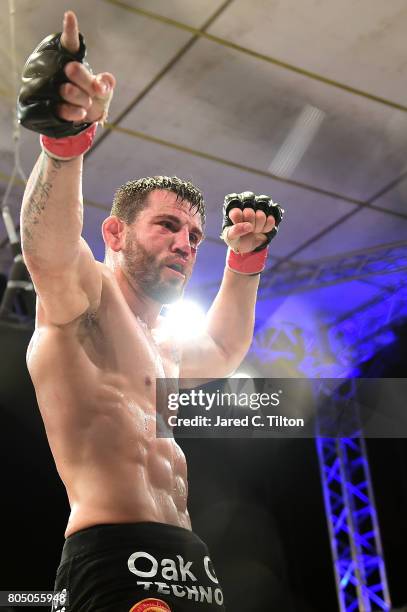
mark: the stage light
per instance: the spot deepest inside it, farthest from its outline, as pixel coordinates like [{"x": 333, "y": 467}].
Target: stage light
[{"x": 185, "y": 319}]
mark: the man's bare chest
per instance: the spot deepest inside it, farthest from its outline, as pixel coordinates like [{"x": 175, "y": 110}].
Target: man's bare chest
[
  {"x": 109, "y": 342},
  {"x": 115, "y": 340}
]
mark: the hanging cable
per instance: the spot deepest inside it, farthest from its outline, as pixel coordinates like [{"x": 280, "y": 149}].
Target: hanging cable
[
  {"x": 18, "y": 299},
  {"x": 17, "y": 169}
]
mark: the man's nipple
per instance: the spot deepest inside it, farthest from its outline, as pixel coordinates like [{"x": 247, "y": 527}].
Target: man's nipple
[{"x": 148, "y": 381}]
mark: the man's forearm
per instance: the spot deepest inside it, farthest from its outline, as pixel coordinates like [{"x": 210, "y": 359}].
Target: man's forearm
[
  {"x": 52, "y": 213},
  {"x": 232, "y": 314}
]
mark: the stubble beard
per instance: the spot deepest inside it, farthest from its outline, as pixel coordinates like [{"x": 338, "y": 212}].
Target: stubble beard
[{"x": 143, "y": 269}]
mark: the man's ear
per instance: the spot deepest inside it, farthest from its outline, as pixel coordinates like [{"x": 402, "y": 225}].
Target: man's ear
[{"x": 114, "y": 233}]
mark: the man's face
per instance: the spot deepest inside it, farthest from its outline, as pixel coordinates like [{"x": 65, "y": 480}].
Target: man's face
[{"x": 160, "y": 246}]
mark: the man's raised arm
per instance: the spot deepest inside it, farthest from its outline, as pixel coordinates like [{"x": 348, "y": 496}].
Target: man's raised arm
[
  {"x": 249, "y": 224},
  {"x": 61, "y": 100}
]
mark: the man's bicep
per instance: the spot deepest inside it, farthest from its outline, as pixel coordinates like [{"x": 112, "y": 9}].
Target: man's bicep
[
  {"x": 66, "y": 294},
  {"x": 202, "y": 358}
]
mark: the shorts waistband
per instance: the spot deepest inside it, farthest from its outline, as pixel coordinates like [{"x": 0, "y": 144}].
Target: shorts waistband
[{"x": 110, "y": 536}]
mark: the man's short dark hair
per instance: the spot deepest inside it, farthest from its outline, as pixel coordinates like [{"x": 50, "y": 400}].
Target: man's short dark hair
[{"x": 131, "y": 198}]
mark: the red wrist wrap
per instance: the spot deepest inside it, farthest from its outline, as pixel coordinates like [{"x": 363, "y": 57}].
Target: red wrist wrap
[
  {"x": 71, "y": 146},
  {"x": 247, "y": 263}
]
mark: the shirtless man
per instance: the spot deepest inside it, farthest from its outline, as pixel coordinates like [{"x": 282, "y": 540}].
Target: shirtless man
[{"x": 95, "y": 354}]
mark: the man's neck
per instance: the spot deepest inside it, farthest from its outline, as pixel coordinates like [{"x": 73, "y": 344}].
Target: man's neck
[{"x": 140, "y": 304}]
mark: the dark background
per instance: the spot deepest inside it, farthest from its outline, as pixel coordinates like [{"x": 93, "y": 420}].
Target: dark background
[{"x": 257, "y": 503}]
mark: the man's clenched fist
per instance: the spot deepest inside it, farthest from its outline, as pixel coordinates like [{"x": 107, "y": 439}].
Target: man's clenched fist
[{"x": 250, "y": 222}]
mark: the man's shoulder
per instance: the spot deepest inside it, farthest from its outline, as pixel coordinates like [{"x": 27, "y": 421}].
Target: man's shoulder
[
  {"x": 89, "y": 317},
  {"x": 104, "y": 268},
  {"x": 108, "y": 276}
]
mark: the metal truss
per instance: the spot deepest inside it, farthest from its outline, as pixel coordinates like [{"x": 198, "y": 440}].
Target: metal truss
[
  {"x": 366, "y": 330},
  {"x": 336, "y": 347},
  {"x": 334, "y": 350},
  {"x": 353, "y": 528},
  {"x": 349, "y": 502},
  {"x": 289, "y": 278},
  {"x": 357, "y": 553}
]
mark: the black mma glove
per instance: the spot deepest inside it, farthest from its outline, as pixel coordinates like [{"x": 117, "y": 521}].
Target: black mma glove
[
  {"x": 43, "y": 74},
  {"x": 247, "y": 199}
]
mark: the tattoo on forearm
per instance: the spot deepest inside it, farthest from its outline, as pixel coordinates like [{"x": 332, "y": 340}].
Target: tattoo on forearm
[{"x": 38, "y": 198}]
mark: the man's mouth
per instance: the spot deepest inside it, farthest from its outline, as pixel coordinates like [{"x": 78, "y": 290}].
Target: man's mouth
[{"x": 178, "y": 268}]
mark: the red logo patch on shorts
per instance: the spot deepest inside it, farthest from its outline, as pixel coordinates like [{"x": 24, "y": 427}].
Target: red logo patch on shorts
[{"x": 150, "y": 605}]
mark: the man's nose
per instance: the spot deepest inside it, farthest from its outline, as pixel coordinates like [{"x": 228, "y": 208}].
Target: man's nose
[{"x": 181, "y": 241}]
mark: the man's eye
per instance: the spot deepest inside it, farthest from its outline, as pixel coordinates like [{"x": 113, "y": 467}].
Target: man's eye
[{"x": 167, "y": 224}]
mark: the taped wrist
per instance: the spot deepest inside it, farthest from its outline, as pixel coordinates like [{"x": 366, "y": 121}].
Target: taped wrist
[
  {"x": 43, "y": 74},
  {"x": 247, "y": 263},
  {"x": 71, "y": 146}
]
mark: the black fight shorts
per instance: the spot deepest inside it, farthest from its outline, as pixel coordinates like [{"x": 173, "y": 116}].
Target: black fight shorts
[{"x": 138, "y": 567}]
